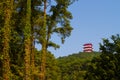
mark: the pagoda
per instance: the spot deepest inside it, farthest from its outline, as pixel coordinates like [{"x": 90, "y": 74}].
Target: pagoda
[{"x": 88, "y": 47}]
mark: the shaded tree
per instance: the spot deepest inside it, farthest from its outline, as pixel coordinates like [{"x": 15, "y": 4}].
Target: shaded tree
[
  {"x": 6, "y": 30},
  {"x": 107, "y": 66},
  {"x": 27, "y": 40},
  {"x": 52, "y": 69},
  {"x": 21, "y": 27},
  {"x": 58, "y": 21}
]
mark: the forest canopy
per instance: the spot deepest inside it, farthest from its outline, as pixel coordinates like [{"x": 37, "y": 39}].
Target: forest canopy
[{"x": 25, "y": 23}]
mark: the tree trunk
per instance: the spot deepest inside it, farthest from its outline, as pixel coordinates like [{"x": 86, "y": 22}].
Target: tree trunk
[
  {"x": 44, "y": 45},
  {"x": 6, "y": 39},
  {"x": 32, "y": 54},
  {"x": 27, "y": 41}
]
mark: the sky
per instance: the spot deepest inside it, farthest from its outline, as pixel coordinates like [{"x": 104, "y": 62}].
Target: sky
[{"x": 92, "y": 21}]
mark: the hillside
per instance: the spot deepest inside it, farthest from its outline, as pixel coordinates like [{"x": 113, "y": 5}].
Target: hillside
[
  {"x": 81, "y": 55},
  {"x": 73, "y": 67}
]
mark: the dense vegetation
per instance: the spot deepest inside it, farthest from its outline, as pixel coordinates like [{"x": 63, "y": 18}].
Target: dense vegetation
[
  {"x": 107, "y": 65},
  {"x": 23, "y": 23},
  {"x": 74, "y": 67},
  {"x": 93, "y": 66}
]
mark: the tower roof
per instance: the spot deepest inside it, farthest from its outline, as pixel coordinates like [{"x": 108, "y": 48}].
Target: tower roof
[{"x": 87, "y": 44}]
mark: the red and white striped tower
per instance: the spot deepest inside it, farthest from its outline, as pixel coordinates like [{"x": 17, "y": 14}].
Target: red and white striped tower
[{"x": 87, "y": 47}]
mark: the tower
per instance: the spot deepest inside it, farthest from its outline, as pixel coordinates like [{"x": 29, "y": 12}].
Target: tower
[{"x": 88, "y": 47}]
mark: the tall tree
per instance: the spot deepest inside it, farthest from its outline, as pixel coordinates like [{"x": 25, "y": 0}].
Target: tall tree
[
  {"x": 8, "y": 6},
  {"x": 35, "y": 14},
  {"x": 44, "y": 44},
  {"x": 17, "y": 40},
  {"x": 59, "y": 15},
  {"x": 27, "y": 40}
]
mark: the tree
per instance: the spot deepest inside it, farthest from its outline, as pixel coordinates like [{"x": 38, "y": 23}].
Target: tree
[
  {"x": 52, "y": 69},
  {"x": 24, "y": 32},
  {"x": 44, "y": 44},
  {"x": 8, "y": 7},
  {"x": 21, "y": 27},
  {"x": 27, "y": 40},
  {"x": 59, "y": 16},
  {"x": 35, "y": 14},
  {"x": 107, "y": 66}
]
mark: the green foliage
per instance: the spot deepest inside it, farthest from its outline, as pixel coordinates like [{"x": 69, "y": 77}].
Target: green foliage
[
  {"x": 107, "y": 65},
  {"x": 52, "y": 69},
  {"x": 26, "y": 27},
  {"x": 73, "y": 67},
  {"x": 24, "y": 24}
]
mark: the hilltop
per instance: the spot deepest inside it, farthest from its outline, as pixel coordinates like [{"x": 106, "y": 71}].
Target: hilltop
[
  {"x": 81, "y": 56},
  {"x": 74, "y": 66}
]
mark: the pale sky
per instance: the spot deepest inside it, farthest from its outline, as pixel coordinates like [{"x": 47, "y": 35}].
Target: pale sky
[{"x": 92, "y": 21}]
